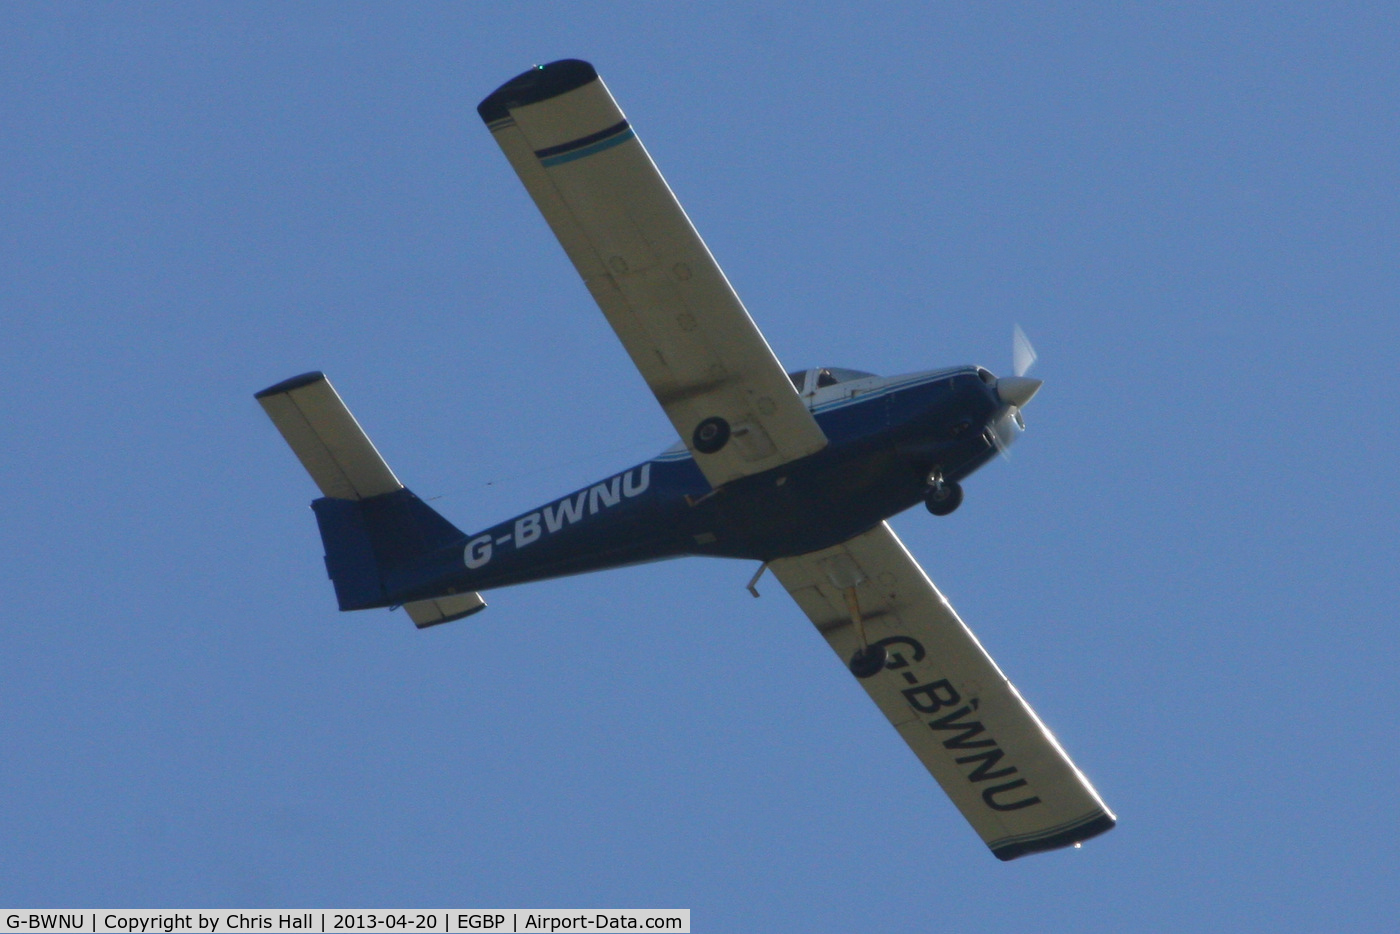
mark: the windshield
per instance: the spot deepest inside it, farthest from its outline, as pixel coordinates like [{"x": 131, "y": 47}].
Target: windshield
[
  {"x": 839, "y": 375},
  {"x": 827, "y": 376}
]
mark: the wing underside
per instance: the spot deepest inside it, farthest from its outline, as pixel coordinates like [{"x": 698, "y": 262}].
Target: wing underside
[
  {"x": 965, "y": 721},
  {"x": 649, "y": 271}
]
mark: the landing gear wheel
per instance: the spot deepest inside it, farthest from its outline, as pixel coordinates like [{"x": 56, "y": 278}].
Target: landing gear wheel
[
  {"x": 869, "y": 661},
  {"x": 711, "y": 435},
  {"x": 944, "y": 498}
]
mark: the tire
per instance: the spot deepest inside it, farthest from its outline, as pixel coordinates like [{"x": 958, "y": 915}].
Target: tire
[
  {"x": 869, "y": 662},
  {"x": 710, "y": 435},
  {"x": 941, "y": 502}
]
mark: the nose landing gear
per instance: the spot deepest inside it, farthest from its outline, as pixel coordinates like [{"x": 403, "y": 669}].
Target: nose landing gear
[{"x": 942, "y": 497}]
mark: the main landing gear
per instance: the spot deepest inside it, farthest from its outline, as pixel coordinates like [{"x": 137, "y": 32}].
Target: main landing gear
[
  {"x": 869, "y": 660},
  {"x": 942, "y": 497}
]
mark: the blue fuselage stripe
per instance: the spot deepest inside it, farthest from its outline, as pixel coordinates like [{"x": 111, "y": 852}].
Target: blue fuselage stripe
[{"x": 882, "y": 444}]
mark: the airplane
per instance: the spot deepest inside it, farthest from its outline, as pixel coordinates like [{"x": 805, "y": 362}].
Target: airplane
[{"x": 797, "y": 471}]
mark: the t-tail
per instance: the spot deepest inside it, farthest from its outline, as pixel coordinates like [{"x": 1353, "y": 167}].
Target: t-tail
[{"x": 375, "y": 531}]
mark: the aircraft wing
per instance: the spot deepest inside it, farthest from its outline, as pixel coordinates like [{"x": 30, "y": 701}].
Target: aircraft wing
[
  {"x": 659, "y": 287},
  {"x": 946, "y": 697}
]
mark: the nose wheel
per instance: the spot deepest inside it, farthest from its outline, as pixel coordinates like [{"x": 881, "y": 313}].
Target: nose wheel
[{"x": 942, "y": 497}]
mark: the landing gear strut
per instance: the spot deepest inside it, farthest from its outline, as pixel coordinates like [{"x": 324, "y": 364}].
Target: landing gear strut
[
  {"x": 869, "y": 660},
  {"x": 942, "y": 497}
]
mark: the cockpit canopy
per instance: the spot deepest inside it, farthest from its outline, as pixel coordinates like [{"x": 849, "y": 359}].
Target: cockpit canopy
[{"x": 808, "y": 381}]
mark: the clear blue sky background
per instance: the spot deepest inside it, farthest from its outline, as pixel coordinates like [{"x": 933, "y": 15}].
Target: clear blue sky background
[{"x": 1188, "y": 564}]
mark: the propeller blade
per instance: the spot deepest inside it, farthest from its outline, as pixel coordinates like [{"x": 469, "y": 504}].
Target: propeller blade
[{"x": 1022, "y": 353}]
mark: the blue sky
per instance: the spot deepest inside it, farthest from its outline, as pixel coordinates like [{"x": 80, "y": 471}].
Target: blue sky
[{"x": 1188, "y": 564}]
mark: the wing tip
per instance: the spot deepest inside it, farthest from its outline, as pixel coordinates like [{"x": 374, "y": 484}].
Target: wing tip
[
  {"x": 538, "y": 84},
  {"x": 287, "y": 385},
  {"x": 1100, "y": 823}
]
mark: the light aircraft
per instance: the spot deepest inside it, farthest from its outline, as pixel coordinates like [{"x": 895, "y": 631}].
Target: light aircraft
[{"x": 797, "y": 471}]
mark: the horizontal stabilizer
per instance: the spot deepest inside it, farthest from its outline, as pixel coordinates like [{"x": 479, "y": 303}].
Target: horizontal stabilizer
[
  {"x": 327, "y": 440},
  {"x": 380, "y": 539},
  {"x": 425, "y": 613}
]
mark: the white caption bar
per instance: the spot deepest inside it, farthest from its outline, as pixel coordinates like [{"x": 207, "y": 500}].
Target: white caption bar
[{"x": 325, "y": 921}]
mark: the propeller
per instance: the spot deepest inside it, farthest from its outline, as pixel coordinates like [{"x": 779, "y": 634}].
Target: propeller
[
  {"x": 1015, "y": 391},
  {"x": 1022, "y": 353}
]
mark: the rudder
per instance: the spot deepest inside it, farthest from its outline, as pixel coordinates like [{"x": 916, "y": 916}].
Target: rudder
[{"x": 366, "y": 540}]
